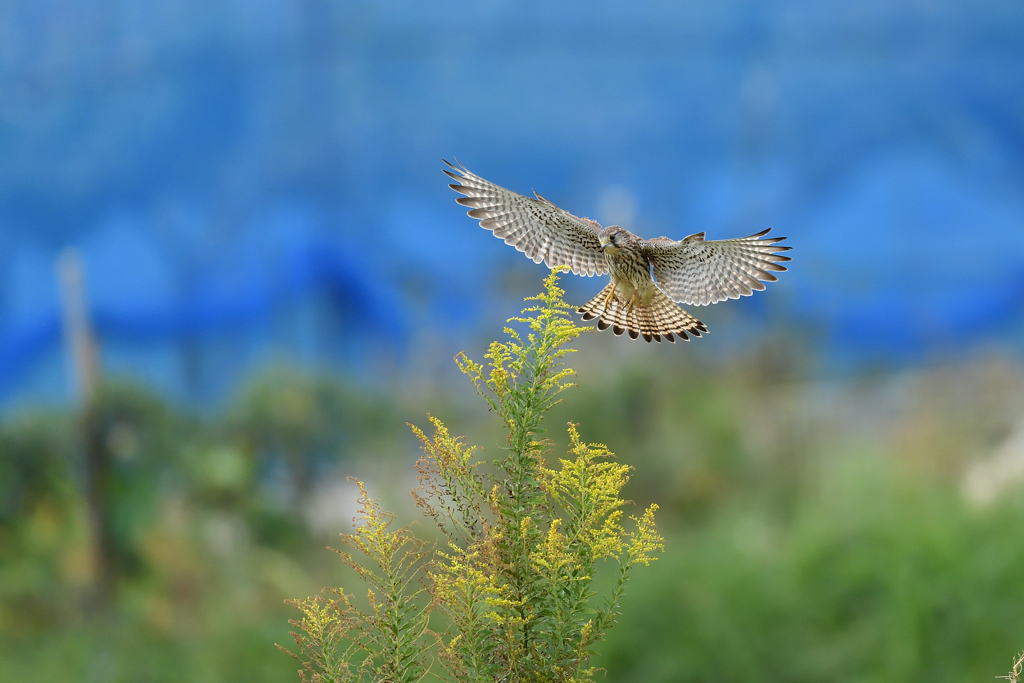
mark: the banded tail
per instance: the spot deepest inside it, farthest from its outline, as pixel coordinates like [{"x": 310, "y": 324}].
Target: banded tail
[{"x": 660, "y": 319}]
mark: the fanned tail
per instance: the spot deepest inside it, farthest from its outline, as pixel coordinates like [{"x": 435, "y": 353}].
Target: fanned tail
[{"x": 660, "y": 319}]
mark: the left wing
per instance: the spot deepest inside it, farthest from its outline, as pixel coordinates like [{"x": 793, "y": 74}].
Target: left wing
[
  {"x": 697, "y": 272},
  {"x": 535, "y": 227}
]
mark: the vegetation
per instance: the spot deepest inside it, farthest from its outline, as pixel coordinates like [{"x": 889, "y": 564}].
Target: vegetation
[
  {"x": 797, "y": 549},
  {"x": 515, "y": 582},
  {"x": 1015, "y": 671}
]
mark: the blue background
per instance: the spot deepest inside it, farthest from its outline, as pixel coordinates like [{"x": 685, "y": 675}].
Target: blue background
[{"x": 253, "y": 179}]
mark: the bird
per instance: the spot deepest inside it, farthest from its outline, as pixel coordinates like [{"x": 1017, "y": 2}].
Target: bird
[{"x": 648, "y": 277}]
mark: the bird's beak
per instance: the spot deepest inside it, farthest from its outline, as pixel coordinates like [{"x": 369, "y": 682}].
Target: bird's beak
[{"x": 604, "y": 243}]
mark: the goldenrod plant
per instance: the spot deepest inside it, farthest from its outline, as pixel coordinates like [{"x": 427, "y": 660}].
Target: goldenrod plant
[
  {"x": 386, "y": 642},
  {"x": 512, "y": 593}
]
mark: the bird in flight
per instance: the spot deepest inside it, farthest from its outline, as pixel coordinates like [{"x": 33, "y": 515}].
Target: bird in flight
[{"x": 691, "y": 271}]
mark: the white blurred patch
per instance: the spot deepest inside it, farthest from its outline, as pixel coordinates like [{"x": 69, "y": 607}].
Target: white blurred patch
[
  {"x": 617, "y": 205},
  {"x": 987, "y": 479},
  {"x": 226, "y": 535},
  {"x": 331, "y": 506}
]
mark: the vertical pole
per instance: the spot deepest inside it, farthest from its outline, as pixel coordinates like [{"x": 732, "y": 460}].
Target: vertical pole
[
  {"x": 83, "y": 354},
  {"x": 78, "y": 334}
]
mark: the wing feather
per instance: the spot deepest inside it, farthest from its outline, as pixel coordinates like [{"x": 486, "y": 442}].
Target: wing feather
[
  {"x": 698, "y": 272},
  {"x": 535, "y": 227}
]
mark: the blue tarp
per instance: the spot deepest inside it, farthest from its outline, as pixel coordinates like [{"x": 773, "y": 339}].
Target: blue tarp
[{"x": 236, "y": 172}]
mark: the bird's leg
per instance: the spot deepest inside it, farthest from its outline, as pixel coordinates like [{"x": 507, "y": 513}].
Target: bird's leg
[
  {"x": 608, "y": 299},
  {"x": 634, "y": 299}
]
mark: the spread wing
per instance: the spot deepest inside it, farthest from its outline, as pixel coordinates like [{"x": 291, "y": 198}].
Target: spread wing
[
  {"x": 696, "y": 272},
  {"x": 535, "y": 227}
]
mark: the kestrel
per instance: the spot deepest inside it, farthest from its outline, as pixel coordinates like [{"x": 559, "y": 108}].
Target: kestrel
[{"x": 690, "y": 271}]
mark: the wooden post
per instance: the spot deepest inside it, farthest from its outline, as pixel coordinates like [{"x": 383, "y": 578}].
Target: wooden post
[
  {"x": 84, "y": 366},
  {"x": 78, "y": 334}
]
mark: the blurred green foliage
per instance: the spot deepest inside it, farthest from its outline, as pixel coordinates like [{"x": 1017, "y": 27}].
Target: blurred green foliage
[
  {"x": 205, "y": 518},
  {"x": 814, "y": 530},
  {"x": 878, "y": 578}
]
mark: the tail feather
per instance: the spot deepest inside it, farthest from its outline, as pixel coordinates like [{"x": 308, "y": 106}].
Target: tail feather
[
  {"x": 593, "y": 308},
  {"x": 621, "y": 317},
  {"x": 661, "y": 319},
  {"x": 650, "y": 326}
]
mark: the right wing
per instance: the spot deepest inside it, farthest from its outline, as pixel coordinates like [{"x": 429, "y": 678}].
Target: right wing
[
  {"x": 698, "y": 272},
  {"x": 535, "y": 227}
]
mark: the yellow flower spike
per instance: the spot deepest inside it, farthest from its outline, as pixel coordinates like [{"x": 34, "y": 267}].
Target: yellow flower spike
[
  {"x": 645, "y": 540},
  {"x": 524, "y": 526},
  {"x": 585, "y": 632}
]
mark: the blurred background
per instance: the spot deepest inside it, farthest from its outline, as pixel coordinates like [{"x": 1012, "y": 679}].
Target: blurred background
[{"x": 230, "y": 272}]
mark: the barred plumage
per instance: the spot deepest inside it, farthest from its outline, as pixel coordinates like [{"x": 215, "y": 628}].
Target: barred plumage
[
  {"x": 661, "y": 319},
  {"x": 692, "y": 270}
]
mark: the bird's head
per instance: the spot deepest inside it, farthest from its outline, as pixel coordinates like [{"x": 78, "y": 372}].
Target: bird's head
[{"x": 613, "y": 238}]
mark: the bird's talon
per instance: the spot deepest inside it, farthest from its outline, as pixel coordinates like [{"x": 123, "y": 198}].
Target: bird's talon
[{"x": 633, "y": 300}]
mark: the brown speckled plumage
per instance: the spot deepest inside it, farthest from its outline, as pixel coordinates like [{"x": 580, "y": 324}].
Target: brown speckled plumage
[{"x": 690, "y": 271}]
